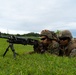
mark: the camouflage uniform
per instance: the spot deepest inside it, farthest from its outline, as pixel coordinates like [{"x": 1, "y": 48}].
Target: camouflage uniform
[
  {"x": 70, "y": 49},
  {"x": 53, "y": 47}
]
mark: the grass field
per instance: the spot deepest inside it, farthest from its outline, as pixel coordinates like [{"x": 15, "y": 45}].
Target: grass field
[{"x": 35, "y": 64}]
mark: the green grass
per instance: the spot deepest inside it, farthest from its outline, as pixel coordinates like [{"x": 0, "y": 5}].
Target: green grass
[{"x": 35, "y": 64}]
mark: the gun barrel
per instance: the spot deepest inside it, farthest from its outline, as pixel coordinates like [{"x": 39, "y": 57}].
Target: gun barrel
[{"x": 5, "y": 37}]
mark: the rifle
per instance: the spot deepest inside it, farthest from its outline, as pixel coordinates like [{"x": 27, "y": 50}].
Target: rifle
[{"x": 11, "y": 39}]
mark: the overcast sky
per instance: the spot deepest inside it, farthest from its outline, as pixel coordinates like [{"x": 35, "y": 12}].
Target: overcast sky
[{"x": 23, "y": 16}]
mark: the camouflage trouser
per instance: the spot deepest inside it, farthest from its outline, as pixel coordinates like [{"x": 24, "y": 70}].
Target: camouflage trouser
[{"x": 73, "y": 53}]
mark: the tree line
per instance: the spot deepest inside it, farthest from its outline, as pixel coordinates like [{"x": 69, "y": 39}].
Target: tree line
[{"x": 28, "y": 34}]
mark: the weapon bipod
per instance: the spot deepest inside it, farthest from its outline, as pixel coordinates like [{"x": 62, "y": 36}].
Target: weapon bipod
[{"x": 12, "y": 48}]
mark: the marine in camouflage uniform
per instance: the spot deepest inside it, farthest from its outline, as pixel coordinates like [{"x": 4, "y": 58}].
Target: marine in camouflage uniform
[
  {"x": 48, "y": 43},
  {"x": 67, "y": 45}
]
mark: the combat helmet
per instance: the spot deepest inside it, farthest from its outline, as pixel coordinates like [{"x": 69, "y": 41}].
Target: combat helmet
[
  {"x": 65, "y": 33},
  {"x": 46, "y": 33}
]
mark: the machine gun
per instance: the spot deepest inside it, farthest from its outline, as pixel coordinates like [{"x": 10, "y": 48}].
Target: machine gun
[{"x": 17, "y": 40}]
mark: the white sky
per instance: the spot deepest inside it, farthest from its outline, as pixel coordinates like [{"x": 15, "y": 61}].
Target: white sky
[{"x": 23, "y": 16}]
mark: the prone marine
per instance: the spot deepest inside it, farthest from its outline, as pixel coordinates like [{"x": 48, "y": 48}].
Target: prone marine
[
  {"x": 67, "y": 45},
  {"x": 49, "y": 42}
]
